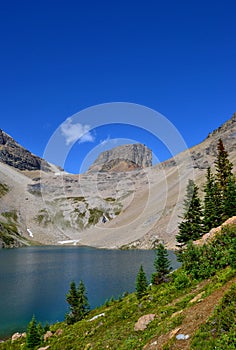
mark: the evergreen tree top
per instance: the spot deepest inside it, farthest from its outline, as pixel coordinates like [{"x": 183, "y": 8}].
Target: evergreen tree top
[{"x": 223, "y": 166}]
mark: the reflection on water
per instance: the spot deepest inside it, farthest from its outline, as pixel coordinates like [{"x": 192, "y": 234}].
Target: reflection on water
[{"x": 35, "y": 280}]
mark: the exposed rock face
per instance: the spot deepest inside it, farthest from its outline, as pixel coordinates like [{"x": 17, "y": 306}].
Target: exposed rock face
[
  {"x": 228, "y": 125},
  {"x": 11, "y": 153},
  {"x": 123, "y": 158},
  {"x": 211, "y": 234},
  {"x": 201, "y": 156}
]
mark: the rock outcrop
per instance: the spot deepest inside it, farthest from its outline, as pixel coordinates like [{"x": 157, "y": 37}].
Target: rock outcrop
[
  {"x": 123, "y": 158},
  {"x": 211, "y": 234},
  {"x": 11, "y": 153}
]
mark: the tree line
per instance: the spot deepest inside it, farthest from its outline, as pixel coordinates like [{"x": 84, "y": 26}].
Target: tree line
[{"x": 219, "y": 201}]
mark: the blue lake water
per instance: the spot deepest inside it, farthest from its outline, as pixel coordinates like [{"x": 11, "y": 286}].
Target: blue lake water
[{"x": 35, "y": 280}]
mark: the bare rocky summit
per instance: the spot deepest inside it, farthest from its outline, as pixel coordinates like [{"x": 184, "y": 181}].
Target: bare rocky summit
[{"x": 123, "y": 158}]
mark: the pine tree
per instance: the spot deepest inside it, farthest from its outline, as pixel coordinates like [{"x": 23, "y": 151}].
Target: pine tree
[
  {"x": 212, "y": 203},
  {"x": 33, "y": 336},
  {"x": 141, "y": 283},
  {"x": 72, "y": 299},
  {"x": 83, "y": 304},
  {"x": 229, "y": 201},
  {"x": 191, "y": 228},
  {"x": 77, "y": 299},
  {"x": 223, "y": 167},
  {"x": 161, "y": 264},
  {"x": 41, "y": 331},
  {"x": 225, "y": 182}
]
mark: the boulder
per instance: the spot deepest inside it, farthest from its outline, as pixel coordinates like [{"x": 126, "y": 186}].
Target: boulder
[
  {"x": 47, "y": 335},
  {"x": 143, "y": 321},
  {"x": 58, "y": 332},
  {"x": 18, "y": 335}
]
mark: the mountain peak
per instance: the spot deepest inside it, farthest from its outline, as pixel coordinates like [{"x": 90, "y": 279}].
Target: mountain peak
[{"x": 123, "y": 158}]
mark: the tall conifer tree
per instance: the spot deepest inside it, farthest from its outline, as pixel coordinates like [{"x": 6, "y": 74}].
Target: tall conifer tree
[
  {"x": 229, "y": 203},
  {"x": 83, "y": 304},
  {"x": 141, "y": 283},
  {"x": 33, "y": 337},
  {"x": 161, "y": 264},
  {"x": 212, "y": 203},
  {"x": 223, "y": 167},
  {"x": 225, "y": 182},
  {"x": 78, "y": 301},
  {"x": 191, "y": 228}
]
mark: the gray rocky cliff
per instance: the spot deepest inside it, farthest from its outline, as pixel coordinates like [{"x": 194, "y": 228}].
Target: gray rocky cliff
[
  {"x": 11, "y": 153},
  {"x": 123, "y": 158}
]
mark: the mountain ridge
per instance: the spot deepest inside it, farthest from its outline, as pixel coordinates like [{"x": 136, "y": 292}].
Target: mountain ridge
[
  {"x": 110, "y": 209},
  {"x": 13, "y": 154}
]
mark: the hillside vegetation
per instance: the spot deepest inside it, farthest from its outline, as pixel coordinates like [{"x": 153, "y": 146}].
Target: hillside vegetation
[{"x": 195, "y": 309}]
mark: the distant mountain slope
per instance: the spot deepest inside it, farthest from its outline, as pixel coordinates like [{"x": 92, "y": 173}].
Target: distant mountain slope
[{"x": 105, "y": 209}]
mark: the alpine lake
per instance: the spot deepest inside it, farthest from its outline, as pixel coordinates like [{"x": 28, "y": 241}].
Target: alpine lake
[{"x": 35, "y": 280}]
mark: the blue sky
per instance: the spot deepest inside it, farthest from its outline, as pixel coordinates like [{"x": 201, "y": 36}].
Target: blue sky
[{"x": 61, "y": 57}]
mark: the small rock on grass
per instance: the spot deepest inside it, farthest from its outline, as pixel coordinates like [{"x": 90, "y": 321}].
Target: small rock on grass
[
  {"x": 143, "y": 321},
  {"x": 182, "y": 336}
]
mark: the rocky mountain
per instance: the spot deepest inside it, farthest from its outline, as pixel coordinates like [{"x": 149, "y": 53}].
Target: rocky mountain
[
  {"x": 11, "y": 153},
  {"x": 123, "y": 158},
  {"x": 107, "y": 206}
]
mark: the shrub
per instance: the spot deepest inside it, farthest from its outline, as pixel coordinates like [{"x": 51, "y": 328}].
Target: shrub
[
  {"x": 3, "y": 190},
  {"x": 95, "y": 216},
  {"x": 204, "y": 261},
  {"x": 182, "y": 280}
]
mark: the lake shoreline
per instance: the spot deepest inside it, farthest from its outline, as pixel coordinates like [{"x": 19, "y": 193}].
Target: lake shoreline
[{"x": 35, "y": 280}]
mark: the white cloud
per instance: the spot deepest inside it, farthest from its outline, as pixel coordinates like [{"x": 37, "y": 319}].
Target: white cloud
[{"x": 76, "y": 132}]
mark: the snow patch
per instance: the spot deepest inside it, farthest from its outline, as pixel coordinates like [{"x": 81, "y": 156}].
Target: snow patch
[{"x": 30, "y": 232}]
